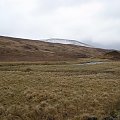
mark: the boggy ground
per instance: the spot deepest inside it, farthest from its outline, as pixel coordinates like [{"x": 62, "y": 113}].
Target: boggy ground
[{"x": 59, "y": 91}]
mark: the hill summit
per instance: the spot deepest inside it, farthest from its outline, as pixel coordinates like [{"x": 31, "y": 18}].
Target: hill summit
[{"x": 66, "y": 41}]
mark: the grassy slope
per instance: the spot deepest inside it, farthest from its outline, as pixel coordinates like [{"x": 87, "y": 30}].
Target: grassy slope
[
  {"x": 30, "y": 91},
  {"x": 16, "y": 49},
  {"x": 113, "y": 55}
]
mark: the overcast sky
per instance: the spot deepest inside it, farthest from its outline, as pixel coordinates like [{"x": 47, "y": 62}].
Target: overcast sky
[{"x": 96, "y": 22}]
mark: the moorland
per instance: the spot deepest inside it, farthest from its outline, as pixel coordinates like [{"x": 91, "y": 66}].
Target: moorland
[{"x": 63, "y": 87}]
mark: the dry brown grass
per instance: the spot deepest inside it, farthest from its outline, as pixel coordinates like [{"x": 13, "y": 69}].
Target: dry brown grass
[{"x": 59, "y": 91}]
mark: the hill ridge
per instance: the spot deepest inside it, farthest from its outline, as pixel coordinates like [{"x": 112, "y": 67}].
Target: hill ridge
[{"x": 67, "y": 41}]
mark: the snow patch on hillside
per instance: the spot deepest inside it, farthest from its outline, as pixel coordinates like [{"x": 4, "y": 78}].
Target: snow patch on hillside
[{"x": 66, "y": 41}]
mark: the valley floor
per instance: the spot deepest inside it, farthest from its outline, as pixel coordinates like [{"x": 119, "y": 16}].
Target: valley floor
[{"x": 59, "y": 91}]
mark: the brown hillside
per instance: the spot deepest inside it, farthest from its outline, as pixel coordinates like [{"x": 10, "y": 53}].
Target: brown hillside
[
  {"x": 114, "y": 55},
  {"x": 16, "y": 49}
]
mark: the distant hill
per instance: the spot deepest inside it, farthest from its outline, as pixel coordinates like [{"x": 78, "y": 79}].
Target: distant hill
[
  {"x": 114, "y": 55},
  {"x": 17, "y": 49}
]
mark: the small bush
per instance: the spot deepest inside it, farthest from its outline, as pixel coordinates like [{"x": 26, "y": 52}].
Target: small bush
[{"x": 28, "y": 69}]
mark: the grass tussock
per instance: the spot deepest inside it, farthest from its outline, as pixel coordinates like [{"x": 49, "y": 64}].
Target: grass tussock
[{"x": 59, "y": 91}]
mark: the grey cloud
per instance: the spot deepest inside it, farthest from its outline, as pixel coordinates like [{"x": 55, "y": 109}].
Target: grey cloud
[
  {"x": 112, "y": 9},
  {"x": 95, "y": 22},
  {"x": 46, "y": 6},
  {"x": 112, "y": 45}
]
